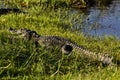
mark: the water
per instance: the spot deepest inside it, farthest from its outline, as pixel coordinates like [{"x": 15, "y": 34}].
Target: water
[
  {"x": 98, "y": 21},
  {"x": 105, "y": 21}
]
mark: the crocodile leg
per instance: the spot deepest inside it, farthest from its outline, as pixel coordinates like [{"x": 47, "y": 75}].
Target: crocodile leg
[{"x": 65, "y": 45}]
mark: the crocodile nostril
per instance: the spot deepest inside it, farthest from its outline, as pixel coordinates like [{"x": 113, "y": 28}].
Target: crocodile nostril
[{"x": 67, "y": 49}]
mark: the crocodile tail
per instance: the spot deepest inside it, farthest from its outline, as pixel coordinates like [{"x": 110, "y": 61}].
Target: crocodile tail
[{"x": 104, "y": 58}]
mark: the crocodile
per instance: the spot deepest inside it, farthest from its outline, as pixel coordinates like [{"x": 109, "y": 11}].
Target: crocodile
[{"x": 65, "y": 45}]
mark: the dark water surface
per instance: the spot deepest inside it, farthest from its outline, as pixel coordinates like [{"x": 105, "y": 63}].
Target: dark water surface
[
  {"x": 98, "y": 21},
  {"x": 104, "y": 21}
]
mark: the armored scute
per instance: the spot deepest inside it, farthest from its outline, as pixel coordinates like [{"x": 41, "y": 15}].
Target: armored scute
[{"x": 65, "y": 45}]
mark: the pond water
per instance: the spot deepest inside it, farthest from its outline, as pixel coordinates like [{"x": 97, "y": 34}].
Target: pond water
[
  {"x": 105, "y": 21},
  {"x": 98, "y": 21}
]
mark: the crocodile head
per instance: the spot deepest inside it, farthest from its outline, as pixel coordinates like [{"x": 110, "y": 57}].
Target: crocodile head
[{"x": 24, "y": 33}]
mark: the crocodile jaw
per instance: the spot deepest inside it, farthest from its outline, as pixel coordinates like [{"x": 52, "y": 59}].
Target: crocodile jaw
[{"x": 20, "y": 32}]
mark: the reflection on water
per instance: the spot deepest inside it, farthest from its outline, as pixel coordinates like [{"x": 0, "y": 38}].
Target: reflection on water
[
  {"x": 104, "y": 21},
  {"x": 99, "y": 21}
]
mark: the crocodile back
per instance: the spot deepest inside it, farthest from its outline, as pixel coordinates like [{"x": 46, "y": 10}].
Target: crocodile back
[
  {"x": 62, "y": 42},
  {"x": 66, "y": 45}
]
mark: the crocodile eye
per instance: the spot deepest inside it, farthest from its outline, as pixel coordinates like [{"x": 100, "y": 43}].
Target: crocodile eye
[
  {"x": 12, "y": 30},
  {"x": 67, "y": 49}
]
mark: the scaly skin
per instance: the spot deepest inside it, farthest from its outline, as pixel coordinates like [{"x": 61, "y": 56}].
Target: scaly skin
[{"x": 65, "y": 45}]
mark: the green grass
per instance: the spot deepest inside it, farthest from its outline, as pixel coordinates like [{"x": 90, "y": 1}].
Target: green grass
[{"x": 20, "y": 59}]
